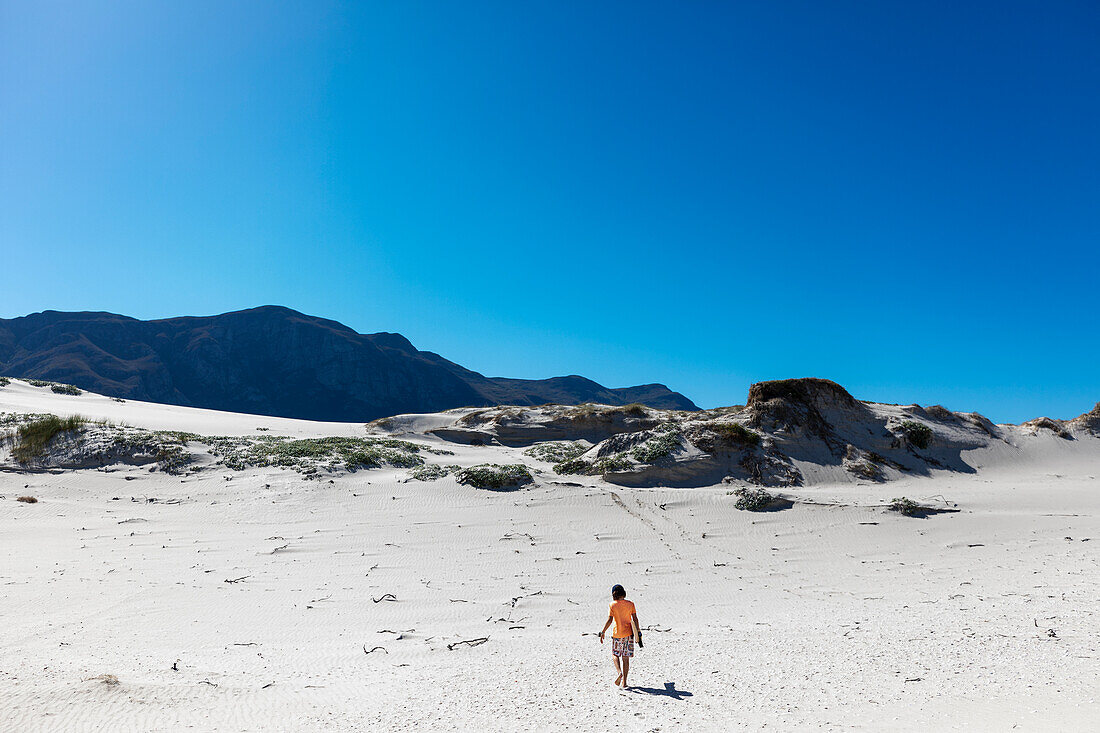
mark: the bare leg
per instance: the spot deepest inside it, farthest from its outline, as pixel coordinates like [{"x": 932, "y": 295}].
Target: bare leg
[
  {"x": 617, "y": 669},
  {"x": 626, "y": 670}
]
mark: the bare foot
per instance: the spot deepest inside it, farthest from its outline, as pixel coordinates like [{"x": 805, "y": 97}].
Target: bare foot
[{"x": 618, "y": 680}]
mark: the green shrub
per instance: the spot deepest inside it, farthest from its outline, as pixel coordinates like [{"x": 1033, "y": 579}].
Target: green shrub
[
  {"x": 556, "y": 451},
  {"x": 752, "y": 500},
  {"x": 31, "y": 438},
  {"x": 574, "y": 466},
  {"x": 494, "y": 476},
  {"x": 918, "y": 434},
  {"x": 634, "y": 409},
  {"x": 661, "y": 443},
  {"x": 38, "y": 382},
  {"x": 735, "y": 433},
  {"x": 905, "y": 506},
  {"x": 66, "y": 389},
  {"x": 615, "y": 463},
  {"x": 432, "y": 471},
  {"x": 4, "y": 381}
]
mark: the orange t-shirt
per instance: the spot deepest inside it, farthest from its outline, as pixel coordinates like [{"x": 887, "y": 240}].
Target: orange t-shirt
[{"x": 621, "y": 610}]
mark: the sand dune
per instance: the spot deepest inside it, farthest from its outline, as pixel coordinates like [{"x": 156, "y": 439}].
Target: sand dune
[{"x": 262, "y": 599}]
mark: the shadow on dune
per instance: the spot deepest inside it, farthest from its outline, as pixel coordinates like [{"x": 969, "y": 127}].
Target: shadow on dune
[{"x": 668, "y": 691}]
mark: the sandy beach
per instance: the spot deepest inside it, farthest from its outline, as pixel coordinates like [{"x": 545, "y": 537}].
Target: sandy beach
[{"x": 262, "y": 600}]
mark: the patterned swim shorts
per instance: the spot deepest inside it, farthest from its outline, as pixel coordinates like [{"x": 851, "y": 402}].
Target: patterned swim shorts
[{"x": 623, "y": 647}]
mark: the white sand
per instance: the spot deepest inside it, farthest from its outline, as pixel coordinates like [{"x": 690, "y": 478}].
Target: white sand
[{"x": 813, "y": 618}]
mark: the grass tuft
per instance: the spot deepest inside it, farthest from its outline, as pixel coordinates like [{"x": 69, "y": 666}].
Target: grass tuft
[
  {"x": 66, "y": 389},
  {"x": 32, "y": 438},
  {"x": 27, "y": 499}
]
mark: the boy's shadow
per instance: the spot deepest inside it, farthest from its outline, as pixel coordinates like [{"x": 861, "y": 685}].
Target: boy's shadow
[{"x": 669, "y": 691}]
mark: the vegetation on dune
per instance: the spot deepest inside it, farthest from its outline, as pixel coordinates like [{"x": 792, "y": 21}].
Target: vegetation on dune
[
  {"x": 4, "y": 381},
  {"x": 661, "y": 443},
  {"x": 556, "y": 451},
  {"x": 752, "y": 500},
  {"x": 31, "y": 438},
  {"x": 169, "y": 447},
  {"x": 587, "y": 410},
  {"x": 308, "y": 455},
  {"x": 940, "y": 412},
  {"x": 432, "y": 471},
  {"x": 573, "y": 465},
  {"x": 865, "y": 469},
  {"x": 27, "y": 499},
  {"x": 918, "y": 434},
  {"x": 8, "y": 419},
  {"x": 38, "y": 382},
  {"x": 583, "y": 410},
  {"x": 494, "y": 476},
  {"x": 475, "y": 417},
  {"x": 66, "y": 389},
  {"x": 905, "y": 506},
  {"x": 616, "y": 463},
  {"x": 735, "y": 433}
]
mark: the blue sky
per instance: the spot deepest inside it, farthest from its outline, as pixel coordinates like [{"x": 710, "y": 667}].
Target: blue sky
[{"x": 902, "y": 197}]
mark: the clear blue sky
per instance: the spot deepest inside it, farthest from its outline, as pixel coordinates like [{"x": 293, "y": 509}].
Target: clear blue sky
[{"x": 901, "y": 196}]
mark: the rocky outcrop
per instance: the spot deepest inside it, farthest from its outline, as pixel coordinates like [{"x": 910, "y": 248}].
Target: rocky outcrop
[
  {"x": 1089, "y": 422},
  {"x": 517, "y": 426},
  {"x": 808, "y": 407},
  {"x": 788, "y": 428}
]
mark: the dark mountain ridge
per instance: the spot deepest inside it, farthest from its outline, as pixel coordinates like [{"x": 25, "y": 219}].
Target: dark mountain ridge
[{"x": 275, "y": 361}]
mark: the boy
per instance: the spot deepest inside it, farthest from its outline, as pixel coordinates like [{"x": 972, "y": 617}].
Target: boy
[{"x": 626, "y": 630}]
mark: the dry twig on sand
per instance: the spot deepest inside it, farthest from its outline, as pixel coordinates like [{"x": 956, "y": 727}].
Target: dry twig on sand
[
  {"x": 469, "y": 642},
  {"x": 374, "y": 649},
  {"x": 385, "y": 597},
  {"x": 107, "y": 679}
]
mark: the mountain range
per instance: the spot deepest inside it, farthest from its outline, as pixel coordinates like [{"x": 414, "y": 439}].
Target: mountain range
[{"x": 275, "y": 361}]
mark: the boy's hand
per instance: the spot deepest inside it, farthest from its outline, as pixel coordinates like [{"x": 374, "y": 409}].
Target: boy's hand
[{"x": 601, "y": 637}]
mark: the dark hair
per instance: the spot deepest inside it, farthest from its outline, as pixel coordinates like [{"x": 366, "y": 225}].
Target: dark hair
[{"x": 618, "y": 592}]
